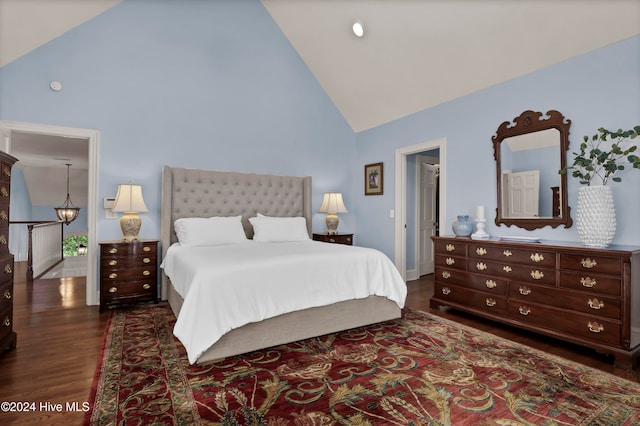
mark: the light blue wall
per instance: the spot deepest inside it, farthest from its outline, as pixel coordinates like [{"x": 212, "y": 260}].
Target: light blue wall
[
  {"x": 199, "y": 84},
  {"x": 601, "y": 88}
]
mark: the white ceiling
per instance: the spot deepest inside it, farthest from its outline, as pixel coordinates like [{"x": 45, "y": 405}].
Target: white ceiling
[{"x": 415, "y": 53}]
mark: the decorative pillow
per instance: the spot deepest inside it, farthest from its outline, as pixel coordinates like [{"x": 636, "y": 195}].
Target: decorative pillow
[
  {"x": 279, "y": 229},
  {"x": 209, "y": 231}
]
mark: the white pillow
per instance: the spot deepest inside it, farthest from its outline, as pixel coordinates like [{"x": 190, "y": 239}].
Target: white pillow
[
  {"x": 209, "y": 231},
  {"x": 279, "y": 229}
]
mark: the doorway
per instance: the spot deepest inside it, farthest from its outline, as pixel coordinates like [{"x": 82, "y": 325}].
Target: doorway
[
  {"x": 92, "y": 136},
  {"x": 401, "y": 188}
]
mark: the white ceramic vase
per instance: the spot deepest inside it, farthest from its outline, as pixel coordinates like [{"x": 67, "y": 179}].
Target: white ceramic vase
[{"x": 596, "y": 216}]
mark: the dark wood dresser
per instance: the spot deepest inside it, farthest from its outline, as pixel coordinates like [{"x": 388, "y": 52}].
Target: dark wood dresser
[
  {"x": 128, "y": 272},
  {"x": 588, "y": 296},
  {"x": 346, "y": 239},
  {"x": 8, "y": 336}
]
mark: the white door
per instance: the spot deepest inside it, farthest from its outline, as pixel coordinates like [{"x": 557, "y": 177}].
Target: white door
[
  {"x": 427, "y": 212},
  {"x": 524, "y": 188}
]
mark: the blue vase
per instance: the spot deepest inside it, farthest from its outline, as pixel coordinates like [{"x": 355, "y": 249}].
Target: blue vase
[{"x": 462, "y": 227}]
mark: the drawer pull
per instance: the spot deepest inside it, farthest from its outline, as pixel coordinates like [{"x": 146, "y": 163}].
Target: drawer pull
[
  {"x": 4, "y": 191},
  {"x": 525, "y": 291},
  {"x": 446, "y": 290},
  {"x": 7, "y": 322},
  {"x": 146, "y": 260},
  {"x": 507, "y": 253},
  {"x": 3, "y": 239},
  {"x": 596, "y": 304},
  {"x": 594, "y": 327},
  {"x": 507, "y": 268},
  {"x": 589, "y": 263},
  {"x": 537, "y": 257},
  {"x": 146, "y": 286},
  {"x": 491, "y": 284},
  {"x": 490, "y": 302},
  {"x": 146, "y": 248},
  {"x": 481, "y": 251},
  {"x": 113, "y": 250},
  {"x": 113, "y": 275},
  {"x": 450, "y": 261},
  {"x": 331, "y": 240},
  {"x": 7, "y": 294},
  {"x": 4, "y": 215},
  {"x": 450, "y": 247},
  {"x": 146, "y": 273},
  {"x": 446, "y": 274},
  {"x": 481, "y": 266},
  {"x": 113, "y": 262},
  {"x": 588, "y": 282},
  {"x": 537, "y": 275},
  {"x": 7, "y": 268},
  {"x": 6, "y": 171},
  {"x": 113, "y": 289},
  {"x": 524, "y": 310}
]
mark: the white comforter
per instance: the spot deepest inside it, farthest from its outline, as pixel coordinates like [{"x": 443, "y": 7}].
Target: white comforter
[{"x": 225, "y": 287}]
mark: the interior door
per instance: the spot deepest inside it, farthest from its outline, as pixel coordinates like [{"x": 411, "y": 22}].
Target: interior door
[
  {"x": 428, "y": 216},
  {"x": 524, "y": 188}
]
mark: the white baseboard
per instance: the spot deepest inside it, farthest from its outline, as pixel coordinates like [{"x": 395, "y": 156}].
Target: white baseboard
[{"x": 412, "y": 274}]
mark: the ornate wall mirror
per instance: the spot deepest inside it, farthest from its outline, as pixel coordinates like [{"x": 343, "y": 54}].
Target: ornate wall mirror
[{"x": 529, "y": 152}]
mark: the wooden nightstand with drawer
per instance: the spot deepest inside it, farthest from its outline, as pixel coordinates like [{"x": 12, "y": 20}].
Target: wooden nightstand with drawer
[
  {"x": 335, "y": 238},
  {"x": 128, "y": 272}
]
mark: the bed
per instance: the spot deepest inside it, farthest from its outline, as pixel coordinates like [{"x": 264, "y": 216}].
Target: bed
[{"x": 193, "y": 193}]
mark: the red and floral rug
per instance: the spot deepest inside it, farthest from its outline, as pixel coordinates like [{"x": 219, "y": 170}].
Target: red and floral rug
[{"x": 418, "y": 370}]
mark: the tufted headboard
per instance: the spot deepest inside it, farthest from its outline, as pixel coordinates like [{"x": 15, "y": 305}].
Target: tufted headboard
[{"x": 206, "y": 193}]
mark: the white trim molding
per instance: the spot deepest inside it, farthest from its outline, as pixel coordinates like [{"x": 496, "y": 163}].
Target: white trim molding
[{"x": 93, "y": 137}]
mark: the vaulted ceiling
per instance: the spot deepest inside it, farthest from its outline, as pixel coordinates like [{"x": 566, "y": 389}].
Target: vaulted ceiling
[{"x": 415, "y": 54}]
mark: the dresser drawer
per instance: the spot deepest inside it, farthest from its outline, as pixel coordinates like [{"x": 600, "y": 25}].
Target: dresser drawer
[
  {"x": 451, "y": 276},
  {"x": 127, "y": 262},
  {"x": 532, "y": 257},
  {"x": 592, "y": 283},
  {"x": 514, "y": 272},
  {"x": 112, "y": 275},
  {"x": 590, "y": 304},
  {"x": 453, "y": 248},
  {"x": 593, "y": 264},
  {"x": 130, "y": 289},
  {"x": 5, "y": 171},
  {"x": 6, "y": 268},
  {"x": 489, "y": 303},
  {"x": 451, "y": 262},
  {"x": 6, "y": 295},
  {"x": 119, "y": 249},
  {"x": 6, "y": 323},
  {"x": 573, "y": 324}
]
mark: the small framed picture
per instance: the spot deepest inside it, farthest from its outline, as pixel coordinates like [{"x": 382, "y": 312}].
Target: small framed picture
[{"x": 373, "y": 179}]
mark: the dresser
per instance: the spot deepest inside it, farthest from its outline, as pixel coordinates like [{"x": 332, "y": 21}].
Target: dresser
[
  {"x": 587, "y": 296},
  {"x": 346, "y": 239},
  {"x": 7, "y": 334},
  {"x": 128, "y": 272}
]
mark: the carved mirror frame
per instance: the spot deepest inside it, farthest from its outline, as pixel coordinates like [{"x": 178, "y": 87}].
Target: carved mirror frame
[{"x": 529, "y": 122}]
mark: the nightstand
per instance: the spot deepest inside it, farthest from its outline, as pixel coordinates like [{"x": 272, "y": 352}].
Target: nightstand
[
  {"x": 128, "y": 272},
  {"x": 336, "y": 239}
]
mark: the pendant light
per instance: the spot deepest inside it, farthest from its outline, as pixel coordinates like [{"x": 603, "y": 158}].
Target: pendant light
[{"x": 67, "y": 212}]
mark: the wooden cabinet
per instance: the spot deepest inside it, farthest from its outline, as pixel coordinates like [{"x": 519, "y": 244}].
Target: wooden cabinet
[
  {"x": 335, "y": 238},
  {"x": 587, "y": 296},
  {"x": 128, "y": 272},
  {"x": 8, "y": 336}
]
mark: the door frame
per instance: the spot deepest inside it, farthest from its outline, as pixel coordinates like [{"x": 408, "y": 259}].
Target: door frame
[
  {"x": 400, "y": 258},
  {"x": 420, "y": 159},
  {"x": 93, "y": 137}
]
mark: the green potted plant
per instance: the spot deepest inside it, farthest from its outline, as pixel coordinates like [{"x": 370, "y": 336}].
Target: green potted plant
[{"x": 599, "y": 159}]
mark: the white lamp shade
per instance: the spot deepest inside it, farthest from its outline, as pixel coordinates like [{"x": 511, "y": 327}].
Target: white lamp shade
[
  {"x": 332, "y": 203},
  {"x": 129, "y": 199}
]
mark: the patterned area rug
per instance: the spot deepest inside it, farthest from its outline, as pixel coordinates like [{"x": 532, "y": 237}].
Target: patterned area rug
[{"x": 418, "y": 370}]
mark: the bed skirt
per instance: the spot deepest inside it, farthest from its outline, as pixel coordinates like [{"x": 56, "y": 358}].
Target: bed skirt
[{"x": 295, "y": 326}]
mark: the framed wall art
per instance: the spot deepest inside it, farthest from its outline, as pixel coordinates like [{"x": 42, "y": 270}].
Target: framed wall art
[{"x": 373, "y": 179}]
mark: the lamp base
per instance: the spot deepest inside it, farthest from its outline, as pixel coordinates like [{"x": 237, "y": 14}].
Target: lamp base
[
  {"x": 130, "y": 224},
  {"x": 332, "y": 221}
]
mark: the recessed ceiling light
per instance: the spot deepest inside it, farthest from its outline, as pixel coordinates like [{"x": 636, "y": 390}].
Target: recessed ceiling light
[{"x": 358, "y": 29}]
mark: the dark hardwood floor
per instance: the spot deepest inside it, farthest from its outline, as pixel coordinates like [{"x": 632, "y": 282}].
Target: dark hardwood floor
[{"x": 59, "y": 340}]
